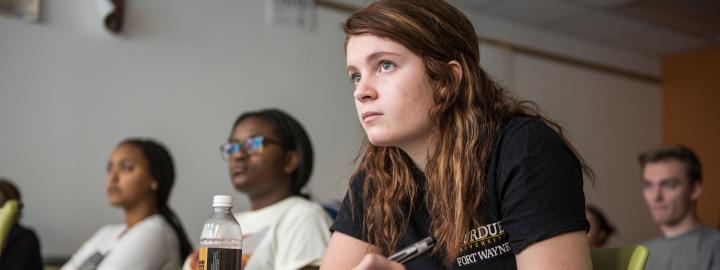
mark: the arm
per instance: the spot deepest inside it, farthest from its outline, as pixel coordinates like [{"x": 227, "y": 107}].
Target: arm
[
  {"x": 565, "y": 251},
  {"x": 344, "y": 252},
  {"x": 542, "y": 200}
]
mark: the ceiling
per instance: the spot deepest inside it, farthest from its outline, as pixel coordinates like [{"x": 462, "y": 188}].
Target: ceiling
[{"x": 650, "y": 27}]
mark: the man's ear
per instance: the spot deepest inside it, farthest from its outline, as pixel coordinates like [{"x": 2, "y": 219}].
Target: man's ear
[
  {"x": 456, "y": 70},
  {"x": 292, "y": 161},
  {"x": 696, "y": 190}
]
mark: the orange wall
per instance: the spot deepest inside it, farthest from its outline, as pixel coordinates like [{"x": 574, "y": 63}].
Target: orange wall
[{"x": 691, "y": 116}]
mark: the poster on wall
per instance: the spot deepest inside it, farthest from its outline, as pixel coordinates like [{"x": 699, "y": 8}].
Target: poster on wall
[
  {"x": 294, "y": 13},
  {"x": 26, "y": 10}
]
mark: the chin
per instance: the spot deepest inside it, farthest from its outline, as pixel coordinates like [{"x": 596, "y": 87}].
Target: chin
[
  {"x": 115, "y": 203},
  {"x": 378, "y": 142},
  {"x": 664, "y": 220},
  {"x": 240, "y": 185},
  {"x": 379, "y": 139}
]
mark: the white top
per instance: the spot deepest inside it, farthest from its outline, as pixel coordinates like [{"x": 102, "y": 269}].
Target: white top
[
  {"x": 150, "y": 244},
  {"x": 290, "y": 234}
]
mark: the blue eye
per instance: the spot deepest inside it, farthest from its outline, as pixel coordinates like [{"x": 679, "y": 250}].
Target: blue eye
[
  {"x": 355, "y": 78},
  {"x": 386, "y": 65}
]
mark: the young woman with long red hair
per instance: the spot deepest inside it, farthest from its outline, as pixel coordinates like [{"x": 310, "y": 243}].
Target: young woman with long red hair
[{"x": 449, "y": 154}]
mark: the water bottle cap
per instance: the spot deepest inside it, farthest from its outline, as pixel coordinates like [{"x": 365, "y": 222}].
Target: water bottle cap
[{"x": 222, "y": 201}]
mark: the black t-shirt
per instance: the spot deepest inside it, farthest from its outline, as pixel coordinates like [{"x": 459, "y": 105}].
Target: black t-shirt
[
  {"x": 534, "y": 192},
  {"x": 21, "y": 251}
]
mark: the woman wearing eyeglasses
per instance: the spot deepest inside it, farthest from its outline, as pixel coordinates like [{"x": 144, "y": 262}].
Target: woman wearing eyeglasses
[{"x": 270, "y": 160}]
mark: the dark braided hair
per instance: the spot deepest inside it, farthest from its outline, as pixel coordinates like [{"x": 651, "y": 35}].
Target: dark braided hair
[{"x": 161, "y": 167}]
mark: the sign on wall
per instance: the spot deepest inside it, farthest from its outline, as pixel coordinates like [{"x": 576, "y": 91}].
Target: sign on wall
[
  {"x": 26, "y": 10},
  {"x": 293, "y": 13}
]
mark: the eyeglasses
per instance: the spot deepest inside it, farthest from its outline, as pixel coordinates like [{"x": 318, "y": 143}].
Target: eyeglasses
[{"x": 252, "y": 145}]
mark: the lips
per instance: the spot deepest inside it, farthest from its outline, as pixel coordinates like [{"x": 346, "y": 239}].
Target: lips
[
  {"x": 370, "y": 115},
  {"x": 658, "y": 207},
  {"x": 238, "y": 170},
  {"x": 113, "y": 190}
]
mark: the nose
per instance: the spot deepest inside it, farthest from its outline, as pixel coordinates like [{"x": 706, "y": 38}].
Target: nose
[
  {"x": 657, "y": 194},
  {"x": 112, "y": 176},
  {"x": 365, "y": 90},
  {"x": 240, "y": 155}
]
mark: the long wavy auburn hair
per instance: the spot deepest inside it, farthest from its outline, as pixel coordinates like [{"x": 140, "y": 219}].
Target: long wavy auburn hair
[{"x": 466, "y": 118}]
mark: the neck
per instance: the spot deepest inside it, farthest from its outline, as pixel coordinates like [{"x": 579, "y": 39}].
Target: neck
[
  {"x": 260, "y": 201},
  {"x": 139, "y": 212},
  {"x": 418, "y": 154},
  {"x": 688, "y": 223}
]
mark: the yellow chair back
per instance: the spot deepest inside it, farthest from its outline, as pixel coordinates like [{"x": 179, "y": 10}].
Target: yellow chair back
[
  {"x": 7, "y": 220},
  {"x": 621, "y": 258}
]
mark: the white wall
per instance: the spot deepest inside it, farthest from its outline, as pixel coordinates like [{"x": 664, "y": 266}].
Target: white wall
[
  {"x": 610, "y": 120},
  {"x": 185, "y": 69},
  {"x": 182, "y": 73}
]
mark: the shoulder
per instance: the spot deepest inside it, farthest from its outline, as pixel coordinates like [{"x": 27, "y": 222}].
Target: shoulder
[
  {"x": 528, "y": 137},
  {"x": 301, "y": 209},
  {"x": 110, "y": 230},
  {"x": 153, "y": 229},
  {"x": 710, "y": 235},
  {"x": 710, "y": 232},
  {"x": 152, "y": 237},
  {"x": 303, "y": 219},
  {"x": 104, "y": 236},
  {"x": 22, "y": 235},
  {"x": 527, "y": 132},
  {"x": 20, "y": 231},
  {"x": 655, "y": 242}
]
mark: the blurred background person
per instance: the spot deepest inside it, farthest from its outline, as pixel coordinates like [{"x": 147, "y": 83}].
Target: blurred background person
[
  {"x": 672, "y": 180},
  {"x": 270, "y": 160},
  {"x": 140, "y": 176},
  {"x": 600, "y": 229},
  {"x": 21, "y": 249}
]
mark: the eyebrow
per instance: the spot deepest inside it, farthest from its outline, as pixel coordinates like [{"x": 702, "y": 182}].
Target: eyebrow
[
  {"x": 372, "y": 57},
  {"x": 128, "y": 159},
  {"x": 664, "y": 180},
  {"x": 251, "y": 136}
]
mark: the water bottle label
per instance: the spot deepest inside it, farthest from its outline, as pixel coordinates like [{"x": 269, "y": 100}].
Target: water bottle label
[{"x": 219, "y": 259}]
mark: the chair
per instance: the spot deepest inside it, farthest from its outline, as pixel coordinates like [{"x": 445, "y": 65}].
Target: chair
[
  {"x": 7, "y": 220},
  {"x": 621, "y": 258}
]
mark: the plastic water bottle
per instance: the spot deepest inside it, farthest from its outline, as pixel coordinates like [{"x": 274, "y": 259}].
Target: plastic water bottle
[{"x": 221, "y": 238}]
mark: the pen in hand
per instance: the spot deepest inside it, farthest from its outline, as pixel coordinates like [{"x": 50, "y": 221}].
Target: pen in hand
[{"x": 413, "y": 250}]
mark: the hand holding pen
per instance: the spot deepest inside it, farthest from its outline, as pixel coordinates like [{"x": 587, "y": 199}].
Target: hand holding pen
[
  {"x": 394, "y": 262},
  {"x": 413, "y": 250}
]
